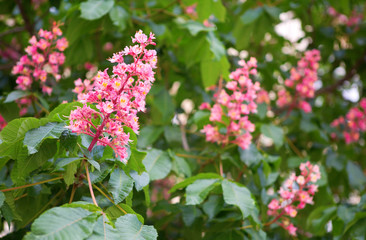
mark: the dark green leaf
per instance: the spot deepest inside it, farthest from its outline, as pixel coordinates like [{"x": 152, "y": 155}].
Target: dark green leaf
[{"x": 199, "y": 190}]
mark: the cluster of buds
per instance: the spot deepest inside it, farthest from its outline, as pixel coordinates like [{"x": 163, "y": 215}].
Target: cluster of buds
[
  {"x": 354, "y": 20},
  {"x": 42, "y": 61},
  {"x": 114, "y": 101},
  {"x": 353, "y": 124},
  {"x": 296, "y": 193},
  {"x": 233, "y": 104},
  {"x": 302, "y": 80}
]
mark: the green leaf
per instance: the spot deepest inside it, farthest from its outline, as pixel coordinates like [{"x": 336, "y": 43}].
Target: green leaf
[
  {"x": 141, "y": 180},
  {"x": 63, "y": 223},
  {"x": 239, "y": 196},
  {"x": 273, "y": 132},
  {"x": 129, "y": 227},
  {"x": 319, "y": 218},
  {"x": 190, "y": 214},
  {"x": 213, "y": 206},
  {"x": 2, "y": 198},
  {"x": 157, "y": 164},
  {"x": 211, "y": 71},
  {"x": 356, "y": 177},
  {"x": 9, "y": 111},
  {"x": 250, "y": 156},
  {"x": 94, "y": 9},
  {"x": 98, "y": 176},
  {"x": 24, "y": 166},
  {"x": 201, "y": 118},
  {"x": 193, "y": 27},
  {"x": 163, "y": 107},
  {"x": 69, "y": 174},
  {"x": 103, "y": 230},
  {"x": 205, "y": 8},
  {"x": 35, "y": 137},
  {"x": 62, "y": 111},
  {"x": 148, "y": 135},
  {"x": 62, "y": 162},
  {"x": 120, "y": 185},
  {"x": 190, "y": 180},
  {"x": 274, "y": 12},
  {"x": 251, "y": 15},
  {"x": 68, "y": 140},
  {"x": 135, "y": 161},
  {"x": 94, "y": 164},
  {"x": 14, "y": 95},
  {"x": 216, "y": 46},
  {"x": 199, "y": 190},
  {"x": 119, "y": 17},
  {"x": 180, "y": 165},
  {"x": 115, "y": 212}
]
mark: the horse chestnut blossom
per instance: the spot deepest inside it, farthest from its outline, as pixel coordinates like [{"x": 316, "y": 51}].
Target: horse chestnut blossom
[
  {"x": 353, "y": 124},
  {"x": 296, "y": 193},
  {"x": 42, "y": 61},
  {"x": 115, "y": 100},
  {"x": 302, "y": 80},
  {"x": 353, "y": 21},
  {"x": 233, "y": 104}
]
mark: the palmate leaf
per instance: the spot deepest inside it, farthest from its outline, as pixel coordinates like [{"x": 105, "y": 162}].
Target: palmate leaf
[{"x": 63, "y": 223}]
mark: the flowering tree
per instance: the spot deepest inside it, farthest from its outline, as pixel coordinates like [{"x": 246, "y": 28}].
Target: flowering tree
[{"x": 222, "y": 120}]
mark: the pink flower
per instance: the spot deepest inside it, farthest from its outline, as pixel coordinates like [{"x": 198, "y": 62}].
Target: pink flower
[
  {"x": 295, "y": 197},
  {"x": 234, "y": 102},
  {"x": 302, "y": 79},
  {"x": 291, "y": 229},
  {"x": 42, "y": 61},
  {"x": 118, "y": 97}
]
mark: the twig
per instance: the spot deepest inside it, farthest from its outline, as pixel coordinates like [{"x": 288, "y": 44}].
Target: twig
[
  {"x": 348, "y": 76},
  {"x": 90, "y": 185},
  {"x": 30, "y": 185},
  {"x": 294, "y": 148},
  {"x": 11, "y": 31},
  {"x": 110, "y": 199}
]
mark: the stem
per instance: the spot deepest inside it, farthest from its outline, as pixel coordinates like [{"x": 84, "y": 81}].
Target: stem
[
  {"x": 90, "y": 185},
  {"x": 110, "y": 199},
  {"x": 220, "y": 167},
  {"x": 30, "y": 185},
  {"x": 72, "y": 193},
  {"x": 294, "y": 148},
  {"x": 191, "y": 156}
]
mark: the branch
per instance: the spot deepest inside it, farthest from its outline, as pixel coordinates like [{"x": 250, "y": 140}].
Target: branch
[
  {"x": 11, "y": 31},
  {"x": 28, "y": 24},
  {"x": 348, "y": 76}
]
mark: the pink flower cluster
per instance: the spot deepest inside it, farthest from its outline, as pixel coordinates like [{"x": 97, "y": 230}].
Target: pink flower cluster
[
  {"x": 302, "y": 81},
  {"x": 43, "y": 58},
  {"x": 82, "y": 88},
  {"x": 233, "y": 104},
  {"x": 354, "y": 123},
  {"x": 297, "y": 192},
  {"x": 354, "y": 20},
  {"x": 3, "y": 123},
  {"x": 115, "y": 100}
]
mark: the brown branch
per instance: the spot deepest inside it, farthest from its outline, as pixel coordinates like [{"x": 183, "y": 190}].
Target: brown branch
[
  {"x": 348, "y": 76},
  {"x": 28, "y": 24},
  {"x": 11, "y": 31}
]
